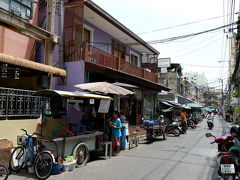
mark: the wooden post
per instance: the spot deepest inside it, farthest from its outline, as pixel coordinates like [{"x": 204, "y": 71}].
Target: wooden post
[
  {"x": 48, "y": 46},
  {"x": 118, "y": 63},
  {"x": 86, "y": 51},
  {"x": 144, "y": 72}
]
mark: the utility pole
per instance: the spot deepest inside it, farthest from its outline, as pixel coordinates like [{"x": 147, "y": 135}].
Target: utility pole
[
  {"x": 48, "y": 46},
  {"x": 222, "y": 94}
]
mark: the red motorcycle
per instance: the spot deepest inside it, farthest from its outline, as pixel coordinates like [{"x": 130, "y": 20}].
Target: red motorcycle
[{"x": 227, "y": 161}]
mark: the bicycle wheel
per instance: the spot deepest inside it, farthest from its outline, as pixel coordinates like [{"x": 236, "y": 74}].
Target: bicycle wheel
[
  {"x": 43, "y": 165},
  {"x": 17, "y": 158},
  {"x": 3, "y": 172}
]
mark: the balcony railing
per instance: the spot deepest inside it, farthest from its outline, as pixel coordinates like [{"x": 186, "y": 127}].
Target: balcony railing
[
  {"x": 97, "y": 56},
  {"x": 73, "y": 51}
]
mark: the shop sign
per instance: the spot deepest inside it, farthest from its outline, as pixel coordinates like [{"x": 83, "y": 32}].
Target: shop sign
[
  {"x": 104, "y": 106},
  {"x": 91, "y": 101}
]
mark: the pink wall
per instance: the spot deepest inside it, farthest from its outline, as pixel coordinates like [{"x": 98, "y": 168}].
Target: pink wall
[{"x": 16, "y": 44}]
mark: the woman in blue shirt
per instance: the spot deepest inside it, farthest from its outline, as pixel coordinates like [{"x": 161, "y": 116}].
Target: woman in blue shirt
[{"x": 116, "y": 131}]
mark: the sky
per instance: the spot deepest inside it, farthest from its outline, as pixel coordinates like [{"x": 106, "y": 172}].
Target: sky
[{"x": 201, "y": 53}]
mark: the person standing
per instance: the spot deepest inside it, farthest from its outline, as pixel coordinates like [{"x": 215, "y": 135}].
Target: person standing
[
  {"x": 184, "y": 122},
  {"x": 116, "y": 131}
]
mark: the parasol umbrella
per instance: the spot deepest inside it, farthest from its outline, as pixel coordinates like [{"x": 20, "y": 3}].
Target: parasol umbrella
[{"x": 104, "y": 87}]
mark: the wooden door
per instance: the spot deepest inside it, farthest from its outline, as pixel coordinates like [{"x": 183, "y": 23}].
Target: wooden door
[{"x": 138, "y": 112}]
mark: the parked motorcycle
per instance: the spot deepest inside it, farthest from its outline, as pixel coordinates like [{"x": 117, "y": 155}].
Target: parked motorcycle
[
  {"x": 228, "y": 162},
  {"x": 174, "y": 129},
  {"x": 210, "y": 123},
  {"x": 191, "y": 123},
  {"x": 154, "y": 128}
]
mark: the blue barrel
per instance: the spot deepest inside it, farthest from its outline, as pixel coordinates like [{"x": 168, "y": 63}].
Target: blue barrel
[{"x": 123, "y": 138}]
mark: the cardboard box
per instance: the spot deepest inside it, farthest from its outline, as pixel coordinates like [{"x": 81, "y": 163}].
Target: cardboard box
[{"x": 5, "y": 151}]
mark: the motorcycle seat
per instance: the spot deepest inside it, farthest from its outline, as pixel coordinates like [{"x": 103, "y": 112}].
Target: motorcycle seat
[{"x": 223, "y": 153}]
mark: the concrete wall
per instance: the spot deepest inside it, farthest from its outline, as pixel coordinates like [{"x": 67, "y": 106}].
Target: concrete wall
[
  {"x": 15, "y": 44},
  {"x": 169, "y": 80},
  {"x": 10, "y": 129}
]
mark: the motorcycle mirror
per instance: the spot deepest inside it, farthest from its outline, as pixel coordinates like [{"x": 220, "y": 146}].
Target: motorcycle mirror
[{"x": 209, "y": 135}]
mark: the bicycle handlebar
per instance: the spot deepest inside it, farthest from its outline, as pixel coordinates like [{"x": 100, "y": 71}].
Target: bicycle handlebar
[{"x": 32, "y": 134}]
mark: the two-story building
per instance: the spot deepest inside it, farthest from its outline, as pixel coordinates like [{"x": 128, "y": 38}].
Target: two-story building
[{"x": 97, "y": 48}]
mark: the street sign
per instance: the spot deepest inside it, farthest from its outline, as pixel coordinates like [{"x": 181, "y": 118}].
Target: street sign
[
  {"x": 20, "y": 8},
  {"x": 164, "y": 62}
]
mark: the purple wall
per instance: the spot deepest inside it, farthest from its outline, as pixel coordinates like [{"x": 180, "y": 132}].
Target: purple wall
[
  {"x": 75, "y": 75},
  {"x": 103, "y": 37}
]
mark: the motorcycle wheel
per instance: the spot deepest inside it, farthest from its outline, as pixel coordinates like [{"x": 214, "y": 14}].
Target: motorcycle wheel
[
  {"x": 176, "y": 132},
  {"x": 149, "y": 139},
  {"x": 227, "y": 177},
  {"x": 165, "y": 135}
]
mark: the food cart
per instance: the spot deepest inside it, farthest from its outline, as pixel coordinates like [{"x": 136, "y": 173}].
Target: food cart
[{"x": 72, "y": 138}]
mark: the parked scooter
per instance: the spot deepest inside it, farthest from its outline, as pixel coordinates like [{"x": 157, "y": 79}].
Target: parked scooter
[
  {"x": 227, "y": 161},
  {"x": 191, "y": 123},
  {"x": 174, "y": 128},
  {"x": 210, "y": 123}
]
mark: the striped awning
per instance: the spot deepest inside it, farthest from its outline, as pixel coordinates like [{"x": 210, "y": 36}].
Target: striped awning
[{"x": 31, "y": 65}]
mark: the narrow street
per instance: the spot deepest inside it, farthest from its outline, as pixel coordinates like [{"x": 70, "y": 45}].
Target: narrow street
[{"x": 186, "y": 157}]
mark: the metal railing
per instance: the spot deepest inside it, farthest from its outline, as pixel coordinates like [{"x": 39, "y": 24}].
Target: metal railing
[{"x": 19, "y": 103}]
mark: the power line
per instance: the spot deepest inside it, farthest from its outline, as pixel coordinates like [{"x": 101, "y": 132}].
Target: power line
[
  {"x": 197, "y": 65},
  {"x": 192, "y": 45},
  {"x": 203, "y": 47},
  {"x": 172, "y": 38},
  {"x": 179, "y": 25},
  {"x": 188, "y": 35}
]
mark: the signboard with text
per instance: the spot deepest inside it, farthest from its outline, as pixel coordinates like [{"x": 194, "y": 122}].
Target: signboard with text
[
  {"x": 164, "y": 62},
  {"x": 104, "y": 106}
]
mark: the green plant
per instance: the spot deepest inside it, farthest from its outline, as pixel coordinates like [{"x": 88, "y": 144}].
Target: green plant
[
  {"x": 237, "y": 111},
  {"x": 235, "y": 93}
]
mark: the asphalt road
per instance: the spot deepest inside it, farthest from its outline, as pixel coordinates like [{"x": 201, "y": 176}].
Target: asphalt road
[{"x": 188, "y": 157}]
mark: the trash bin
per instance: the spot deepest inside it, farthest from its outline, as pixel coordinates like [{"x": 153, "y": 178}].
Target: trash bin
[{"x": 123, "y": 138}]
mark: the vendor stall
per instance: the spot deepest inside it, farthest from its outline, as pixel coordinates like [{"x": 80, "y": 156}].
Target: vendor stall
[{"x": 70, "y": 123}]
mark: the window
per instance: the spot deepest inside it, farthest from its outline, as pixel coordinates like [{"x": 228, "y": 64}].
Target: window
[
  {"x": 135, "y": 59},
  {"x": 118, "y": 50},
  {"x": 87, "y": 34}
]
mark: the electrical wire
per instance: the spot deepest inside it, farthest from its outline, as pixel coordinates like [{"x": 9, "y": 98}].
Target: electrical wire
[
  {"x": 196, "y": 50},
  {"x": 197, "y": 65},
  {"x": 158, "y": 41},
  {"x": 179, "y": 25}
]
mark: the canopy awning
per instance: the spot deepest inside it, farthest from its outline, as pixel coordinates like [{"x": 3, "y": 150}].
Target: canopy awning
[
  {"x": 4, "y": 58},
  {"x": 194, "y": 105},
  {"x": 68, "y": 94},
  {"x": 168, "y": 110},
  {"x": 174, "y": 103},
  {"x": 166, "y": 103}
]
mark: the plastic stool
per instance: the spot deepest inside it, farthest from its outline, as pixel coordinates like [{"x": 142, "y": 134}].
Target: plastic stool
[{"x": 106, "y": 144}]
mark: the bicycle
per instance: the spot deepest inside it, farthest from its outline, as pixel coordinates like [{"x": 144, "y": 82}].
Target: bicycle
[
  {"x": 3, "y": 172},
  {"x": 26, "y": 155},
  {"x": 133, "y": 140}
]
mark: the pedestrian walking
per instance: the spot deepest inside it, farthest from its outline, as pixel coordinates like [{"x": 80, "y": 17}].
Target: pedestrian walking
[
  {"x": 184, "y": 122},
  {"x": 116, "y": 132}
]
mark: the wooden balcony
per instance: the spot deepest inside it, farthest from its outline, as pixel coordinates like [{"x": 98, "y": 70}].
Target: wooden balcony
[
  {"x": 97, "y": 56},
  {"x": 75, "y": 52}
]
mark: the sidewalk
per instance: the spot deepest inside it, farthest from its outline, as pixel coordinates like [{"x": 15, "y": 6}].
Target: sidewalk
[{"x": 230, "y": 124}]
